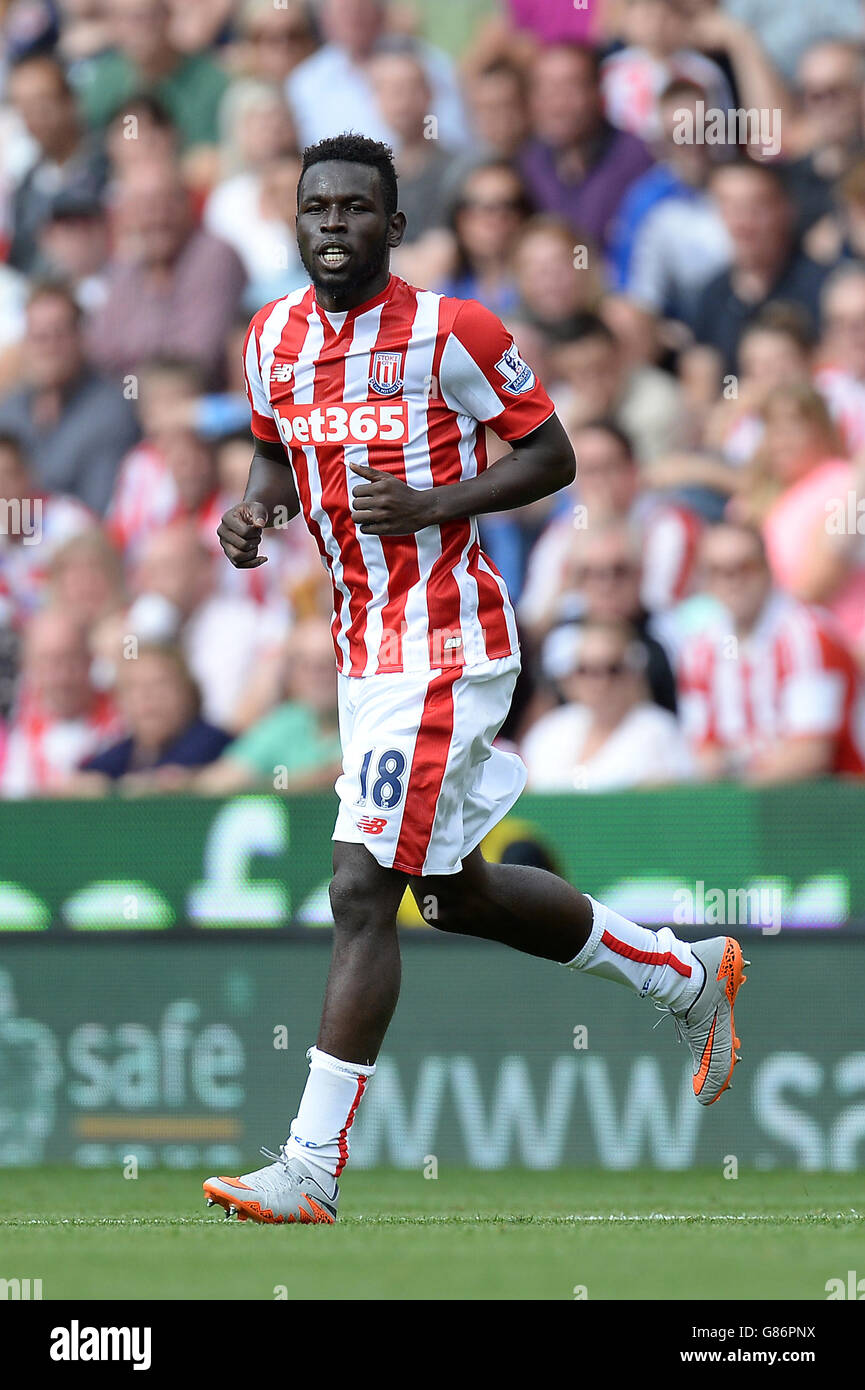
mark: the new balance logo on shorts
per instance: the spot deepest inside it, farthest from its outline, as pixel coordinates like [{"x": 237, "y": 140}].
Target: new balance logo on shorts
[{"x": 371, "y": 825}]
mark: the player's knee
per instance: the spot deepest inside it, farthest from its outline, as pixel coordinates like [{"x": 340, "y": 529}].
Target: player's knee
[{"x": 355, "y": 902}]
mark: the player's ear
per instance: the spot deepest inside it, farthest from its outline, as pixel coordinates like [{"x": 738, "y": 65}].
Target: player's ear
[{"x": 396, "y": 230}]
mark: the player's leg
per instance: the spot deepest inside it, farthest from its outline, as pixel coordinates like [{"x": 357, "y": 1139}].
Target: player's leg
[
  {"x": 363, "y": 984},
  {"x": 529, "y": 909},
  {"x": 534, "y": 911},
  {"x": 362, "y": 991}
]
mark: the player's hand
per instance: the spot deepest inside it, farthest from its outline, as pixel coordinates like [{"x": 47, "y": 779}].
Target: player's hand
[
  {"x": 386, "y": 506},
  {"x": 239, "y": 534}
]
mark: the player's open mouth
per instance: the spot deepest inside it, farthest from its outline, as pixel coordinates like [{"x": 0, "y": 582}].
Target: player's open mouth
[{"x": 334, "y": 257}]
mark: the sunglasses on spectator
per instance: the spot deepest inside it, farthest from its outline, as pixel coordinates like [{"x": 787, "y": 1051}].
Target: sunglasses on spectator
[
  {"x": 490, "y": 205},
  {"x": 601, "y": 672},
  {"x": 619, "y": 570},
  {"x": 733, "y": 571},
  {"x": 832, "y": 93}
]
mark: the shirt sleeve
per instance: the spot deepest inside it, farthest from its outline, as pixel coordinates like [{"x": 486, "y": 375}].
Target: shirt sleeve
[
  {"x": 263, "y": 423},
  {"x": 482, "y": 375}
]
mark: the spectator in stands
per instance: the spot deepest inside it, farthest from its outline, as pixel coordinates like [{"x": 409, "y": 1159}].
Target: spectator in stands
[
  {"x": 404, "y": 98},
  {"x": 766, "y": 265},
  {"x": 799, "y": 463},
  {"x": 829, "y": 84},
  {"x": 68, "y": 162},
  {"x": 354, "y": 30},
  {"x": 841, "y": 235},
  {"x": 171, "y": 288},
  {"x": 787, "y": 31},
  {"x": 178, "y": 423},
  {"x": 557, "y": 280},
  {"x": 597, "y": 382},
  {"x": 609, "y": 734},
  {"x": 577, "y": 165},
  {"x": 142, "y": 133},
  {"x": 254, "y": 207},
  {"x": 497, "y": 95},
  {"x": 86, "y": 30},
  {"x": 608, "y": 490},
  {"x": 668, "y": 237},
  {"x": 145, "y": 496},
  {"x": 33, "y": 525},
  {"x": 775, "y": 349},
  {"x": 170, "y": 478},
  {"x": 73, "y": 424},
  {"x": 770, "y": 693},
  {"x": 159, "y": 705},
  {"x": 73, "y": 248},
  {"x": 295, "y": 747},
  {"x": 274, "y": 39},
  {"x": 633, "y": 78},
  {"x": 144, "y": 58},
  {"x": 291, "y": 561},
  {"x": 196, "y": 25},
  {"x": 841, "y": 373},
  {"x": 603, "y": 578},
  {"x": 177, "y": 601},
  {"x": 800, "y": 481},
  {"x": 59, "y": 718},
  {"x": 490, "y": 209},
  {"x": 84, "y": 577},
  {"x": 257, "y": 127}
]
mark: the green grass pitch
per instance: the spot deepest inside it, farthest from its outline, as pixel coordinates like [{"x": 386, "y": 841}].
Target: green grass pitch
[{"x": 465, "y": 1235}]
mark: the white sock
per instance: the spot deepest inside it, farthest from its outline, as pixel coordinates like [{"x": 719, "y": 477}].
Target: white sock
[
  {"x": 656, "y": 965},
  {"x": 319, "y": 1133}
]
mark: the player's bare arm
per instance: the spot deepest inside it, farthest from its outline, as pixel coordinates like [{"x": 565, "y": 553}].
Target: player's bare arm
[
  {"x": 270, "y": 486},
  {"x": 538, "y": 465}
]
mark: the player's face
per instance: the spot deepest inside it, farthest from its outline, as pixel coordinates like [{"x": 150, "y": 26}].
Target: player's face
[{"x": 344, "y": 234}]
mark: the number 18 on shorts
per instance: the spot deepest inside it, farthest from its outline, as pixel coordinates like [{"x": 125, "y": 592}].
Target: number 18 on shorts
[{"x": 421, "y": 782}]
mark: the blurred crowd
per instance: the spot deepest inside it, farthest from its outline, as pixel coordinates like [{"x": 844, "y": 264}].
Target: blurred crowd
[{"x": 692, "y": 295}]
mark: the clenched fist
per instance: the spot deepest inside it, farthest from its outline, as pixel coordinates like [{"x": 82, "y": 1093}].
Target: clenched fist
[
  {"x": 239, "y": 534},
  {"x": 386, "y": 506}
]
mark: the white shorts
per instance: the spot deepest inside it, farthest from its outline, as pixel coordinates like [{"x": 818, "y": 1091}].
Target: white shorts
[{"x": 421, "y": 783}]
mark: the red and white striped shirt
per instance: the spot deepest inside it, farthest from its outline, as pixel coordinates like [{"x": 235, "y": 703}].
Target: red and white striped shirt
[
  {"x": 39, "y": 751},
  {"x": 405, "y": 383},
  {"x": 791, "y": 677}
]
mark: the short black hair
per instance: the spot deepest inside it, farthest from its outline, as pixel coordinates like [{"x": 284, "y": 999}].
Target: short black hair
[{"x": 351, "y": 148}]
